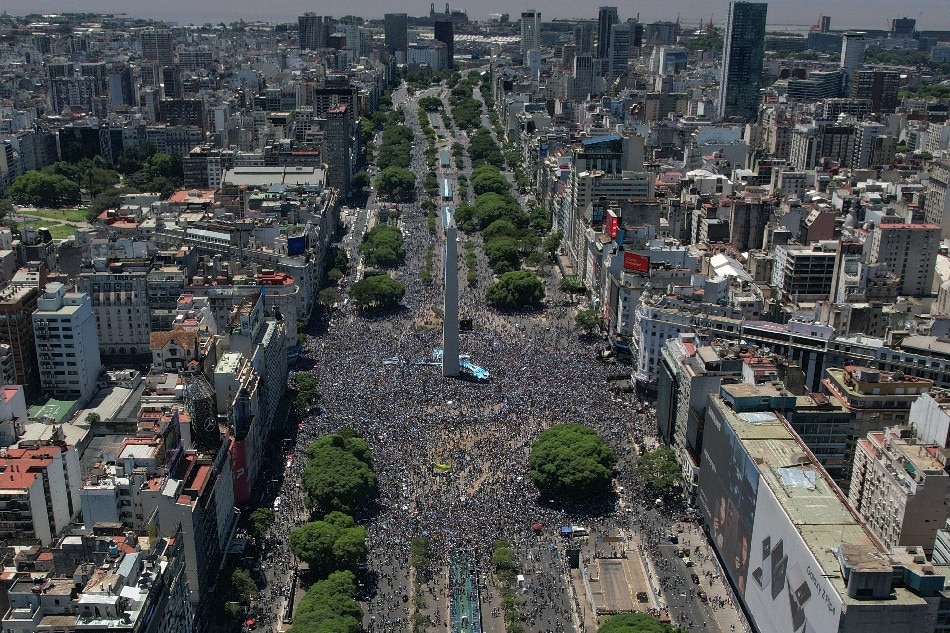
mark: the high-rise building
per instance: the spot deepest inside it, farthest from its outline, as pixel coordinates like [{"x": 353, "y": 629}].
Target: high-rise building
[
  {"x": 17, "y": 304},
  {"x": 899, "y": 486},
  {"x": 158, "y": 45},
  {"x": 67, "y": 343},
  {"x": 903, "y": 28},
  {"x": 606, "y": 18},
  {"x": 584, "y": 38},
  {"x": 852, "y": 56},
  {"x": 937, "y": 203},
  {"x": 395, "y": 32},
  {"x": 879, "y": 85},
  {"x": 910, "y": 252},
  {"x": 120, "y": 302},
  {"x": 337, "y": 147},
  {"x": 445, "y": 33},
  {"x": 530, "y": 32},
  {"x": 625, "y": 38},
  {"x": 743, "y": 50},
  {"x": 312, "y": 33}
]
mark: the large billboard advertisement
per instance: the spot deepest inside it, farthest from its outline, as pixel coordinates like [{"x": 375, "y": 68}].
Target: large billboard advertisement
[
  {"x": 727, "y": 496},
  {"x": 787, "y": 591}
]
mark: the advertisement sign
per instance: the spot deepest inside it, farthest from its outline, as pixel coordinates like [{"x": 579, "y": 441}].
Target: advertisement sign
[
  {"x": 612, "y": 223},
  {"x": 639, "y": 263},
  {"x": 727, "y": 496},
  {"x": 787, "y": 590}
]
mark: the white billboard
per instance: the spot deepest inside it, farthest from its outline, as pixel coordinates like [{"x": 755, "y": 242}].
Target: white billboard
[{"x": 786, "y": 591}]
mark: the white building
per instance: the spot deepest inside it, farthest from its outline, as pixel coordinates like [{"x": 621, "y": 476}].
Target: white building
[
  {"x": 900, "y": 487},
  {"x": 67, "y": 343}
]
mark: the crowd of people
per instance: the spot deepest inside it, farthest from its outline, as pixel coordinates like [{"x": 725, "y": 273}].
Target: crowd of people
[{"x": 451, "y": 455}]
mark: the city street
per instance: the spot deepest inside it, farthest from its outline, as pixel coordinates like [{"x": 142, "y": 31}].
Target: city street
[{"x": 543, "y": 373}]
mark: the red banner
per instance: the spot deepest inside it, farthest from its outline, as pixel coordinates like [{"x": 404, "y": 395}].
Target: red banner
[
  {"x": 612, "y": 224},
  {"x": 639, "y": 263}
]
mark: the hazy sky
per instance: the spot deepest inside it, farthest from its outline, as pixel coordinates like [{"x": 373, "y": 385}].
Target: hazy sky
[{"x": 876, "y": 14}]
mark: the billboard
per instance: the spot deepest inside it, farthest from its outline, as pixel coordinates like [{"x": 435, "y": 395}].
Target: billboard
[
  {"x": 728, "y": 492},
  {"x": 639, "y": 263},
  {"x": 787, "y": 591},
  {"x": 612, "y": 224}
]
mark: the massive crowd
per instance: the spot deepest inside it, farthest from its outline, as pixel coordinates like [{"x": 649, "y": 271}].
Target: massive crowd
[{"x": 542, "y": 373}]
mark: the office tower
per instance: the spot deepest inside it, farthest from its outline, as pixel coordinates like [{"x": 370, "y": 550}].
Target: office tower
[
  {"x": 530, "y": 32},
  {"x": 903, "y": 28},
  {"x": 450, "y": 314},
  {"x": 312, "y": 34},
  {"x": 606, "y": 18},
  {"x": 158, "y": 45},
  {"x": 445, "y": 33},
  {"x": 67, "y": 343},
  {"x": 880, "y": 86},
  {"x": 584, "y": 38},
  {"x": 824, "y": 23},
  {"x": 337, "y": 147},
  {"x": 743, "y": 49},
  {"x": 852, "y": 57},
  {"x": 580, "y": 83},
  {"x": 395, "y": 31},
  {"x": 624, "y": 38}
]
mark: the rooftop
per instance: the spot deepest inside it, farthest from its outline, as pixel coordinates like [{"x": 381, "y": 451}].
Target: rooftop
[{"x": 807, "y": 494}]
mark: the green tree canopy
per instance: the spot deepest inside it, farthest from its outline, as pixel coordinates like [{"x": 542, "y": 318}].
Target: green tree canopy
[
  {"x": 260, "y": 521},
  {"x": 552, "y": 242},
  {"x": 503, "y": 253},
  {"x": 397, "y": 183},
  {"x": 335, "y": 543},
  {"x": 659, "y": 470},
  {"x": 515, "y": 289},
  {"x": 587, "y": 320},
  {"x": 381, "y": 291},
  {"x": 329, "y": 606},
  {"x": 339, "y": 473},
  {"x": 571, "y": 461},
  {"x": 636, "y": 623},
  {"x": 483, "y": 149},
  {"x": 488, "y": 179},
  {"x": 492, "y": 206},
  {"x": 382, "y": 247},
  {"x": 39, "y": 189},
  {"x": 500, "y": 228}
]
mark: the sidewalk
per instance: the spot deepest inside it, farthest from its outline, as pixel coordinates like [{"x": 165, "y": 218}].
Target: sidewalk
[{"x": 730, "y": 617}]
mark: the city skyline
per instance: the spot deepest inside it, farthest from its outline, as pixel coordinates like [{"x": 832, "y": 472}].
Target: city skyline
[{"x": 847, "y": 14}]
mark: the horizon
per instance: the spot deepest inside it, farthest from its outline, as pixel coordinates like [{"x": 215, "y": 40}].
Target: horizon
[{"x": 799, "y": 15}]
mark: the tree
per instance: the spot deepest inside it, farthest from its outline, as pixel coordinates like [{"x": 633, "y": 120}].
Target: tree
[
  {"x": 587, "y": 320},
  {"x": 397, "y": 183},
  {"x": 335, "y": 543},
  {"x": 379, "y": 292},
  {"x": 383, "y": 247},
  {"x": 514, "y": 290},
  {"x": 500, "y": 228},
  {"x": 430, "y": 104},
  {"x": 328, "y": 297},
  {"x": 552, "y": 243},
  {"x": 329, "y": 606},
  {"x": 503, "y": 254},
  {"x": 571, "y": 461},
  {"x": 6, "y": 208},
  {"x": 360, "y": 180},
  {"x": 490, "y": 207},
  {"x": 487, "y": 179},
  {"x": 308, "y": 392},
  {"x": 260, "y": 521},
  {"x": 636, "y": 623},
  {"x": 659, "y": 470},
  {"x": 40, "y": 189},
  {"x": 339, "y": 473},
  {"x": 93, "y": 418}
]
